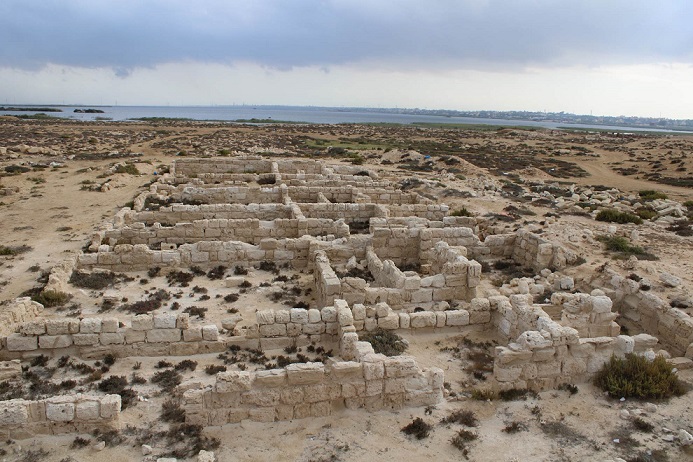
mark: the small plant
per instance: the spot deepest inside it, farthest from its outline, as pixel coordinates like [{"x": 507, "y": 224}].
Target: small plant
[
  {"x": 514, "y": 427},
  {"x": 172, "y": 412},
  {"x": 614, "y": 216},
  {"x": 163, "y": 364},
  {"x": 230, "y": 298},
  {"x": 515, "y": 394},
  {"x": 463, "y": 212},
  {"x": 461, "y": 438},
  {"x": 39, "y": 361},
  {"x": 79, "y": 443},
  {"x": 642, "y": 425},
  {"x": 13, "y": 251},
  {"x": 240, "y": 271},
  {"x": 216, "y": 272},
  {"x": 636, "y": 377},
  {"x": 186, "y": 364},
  {"x": 167, "y": 379},
  {"x": 569, "y": 387},
  {"x": 385, "y": 342},
  {"x": 153, "y": 272},
  {"x": 137, "y": 366},
  {"x": 130, "y": 169},
  {"x": 462, "y": 417},
  {"x": 646, "y": 214},
  {"x": 109, "y": 359},
  {"x": 483, "y": 394},
  {"x": 213, "y": 369},
  {"x": 419, "y": 428}
]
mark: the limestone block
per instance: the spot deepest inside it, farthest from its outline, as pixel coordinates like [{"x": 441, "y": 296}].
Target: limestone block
[
  {"x": 273, "y": 330},
  {"x": 271, "y": 378},
  {"x": 110, "y": 407},
  {"x": 37, "y": 327},
  {"x": 234, "y": 381},
  {"x": 108, "y": 338},
  {"x": 265, "y": 317},
  {"x": 400, "y": 366},
  {"x": 164, "y": 335},
  {"x": 440, "y": 318},
  {"x": 544, "y": 354},
  {"x": 85, "y": 339},
  {"x": 88, "y": 410},
  {"x": 644, "y": 342},
  {"x": 422, "y": 296},
  {"x": 60, "y": 409},
  {"x": 62, "y": 326},
  {"x": 18, "y": 342},
  {"x": 90, "y": 326},
  {"x": 533, "y": 340},
  {"x": 143, "y": 322},
  {"x": 299, "y": 315},
  {"x": 55, "y": 341},
  {"x": 344, "y": 316},
  {"x": 390, "y": 322},
  {"x": 305, "y": 373},
  {"x": 182, "y": 321},
  {"x": 359, "y": 312},
  {"x": 210, "y": 333},
  {"x": 13, "y": 412},
  {"x": 262, "y": 397},
  {"x": 314, "y": 329},
  {"x": 282, "y": 316},
  {"x": 601, "y": 304},
  {"x": 457, "y": 318},
  {"x": 314, "y": 316},
  {"x": 479, "y": 317},
  {"x": 506, "y": 374},
  {"x": 382, "y": 310},
  {"x": 165, "y": 321},
  {"x": 480, "y": 304},
  {"x": 109, "y": 325},
  {"x": 192, "y": 334},
  {"x": 422, "y": 319},
  {"x": 329, "y": 314},
  {"x": 404, "y": 320}
]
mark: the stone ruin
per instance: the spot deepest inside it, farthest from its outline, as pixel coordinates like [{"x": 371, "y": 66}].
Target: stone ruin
[{"x": 379, "y": 258}]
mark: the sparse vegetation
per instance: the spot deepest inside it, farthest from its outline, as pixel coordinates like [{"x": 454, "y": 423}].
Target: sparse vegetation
[
  {"x": 385, "y": 342},
  {"x": 51, "y": 298},
  {"x": 462, "y": 417},
  {"x": 614, "y": 216},
  {"x": 463, "y": 212},
  {"x": 418, "y": 428},
  {"x": 650, "y": 195},
  {"x": 624, "y": 248}
]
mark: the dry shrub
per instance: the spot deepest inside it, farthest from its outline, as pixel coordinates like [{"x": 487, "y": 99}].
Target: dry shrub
[
  {"x": 419, "y": 428},
  {"x": 636, "y": 377}
]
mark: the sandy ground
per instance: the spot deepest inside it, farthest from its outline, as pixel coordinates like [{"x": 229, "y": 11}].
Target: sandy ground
[{"x": 51, "y": 213}]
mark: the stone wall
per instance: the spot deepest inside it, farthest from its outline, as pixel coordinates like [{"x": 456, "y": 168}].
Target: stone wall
[
  {"x": 455, "y": 278},
  {"x": 250, "y": 230},
  {"x": 79, "y": 413},
  {"x": 187, "y": 213},
  {"x": 206, "y": 254},
  {"x": 327, "y": 284},
  {"x": 146, "y": 335},
  {"x": 17, "y": 311},
  {"x": 361, "y": 379},
  {"x": 643, "y": 310}
]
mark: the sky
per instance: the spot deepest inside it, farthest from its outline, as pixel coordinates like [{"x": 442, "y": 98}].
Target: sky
[{"x": 605, "y": 57}]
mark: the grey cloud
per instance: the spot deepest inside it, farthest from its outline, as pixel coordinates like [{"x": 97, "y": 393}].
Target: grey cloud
[{"x": 286, "y": 33}]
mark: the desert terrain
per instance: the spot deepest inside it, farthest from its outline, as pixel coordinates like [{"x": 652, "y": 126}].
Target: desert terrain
[{"x": 60, "y": 181}]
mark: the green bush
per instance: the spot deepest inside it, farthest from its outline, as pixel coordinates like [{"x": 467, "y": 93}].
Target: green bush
[
  {"x": 624, "y": 247},
  {"x": 614, "y": 216},
  {"x": 130, "y": 169},
  {"x": 463, "y": 212},
  {"x": 650, "y": 195},
  {"x": 636, "y": 377},
  {"x": 51, "y": 298},
  {"x": 646, "y": 214}
]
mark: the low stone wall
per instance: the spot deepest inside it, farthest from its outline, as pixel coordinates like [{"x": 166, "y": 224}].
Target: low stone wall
[
  {"x": 250, "y": 230},
  {"x": 327, "y": 284},
  {"x": 245, "y": 164},
  {"x": 360, "y": 380},
  {"x": 207, "y": 254},
  {"x": 347, "y": 212},
  {"x": 643, "y": 310},
  {"x": 188, "y": 213},
  {"x": 79, "y": 413},
  {"x": 147, "y": 335},
  {"x": 282, "y": 328},
  {"x": 17, "y": 311},
  {"x": 544, "y": 359},
  {"x": 231, "y": 194},
  {"x": 456, "y": 279}
]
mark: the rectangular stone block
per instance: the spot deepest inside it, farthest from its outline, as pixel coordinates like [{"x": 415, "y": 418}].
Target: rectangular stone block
[
  {"x": 192, "y": 334},
  {"x": 55, "y": 341},
  {"x": 163, "y": 335},
  {"x": 109, "y": 325},
  {"x": 37, "y": 327},
  {"x": 165, "y": 321},
  {"x": 109, "y": 338},
  {"x": 142, "y": 322},
  {"x": 18, "y": 342},
  {"x": 305, "y": 373},
  {"x": 457, "y": 318},
  {"x": 135, "y": 336},
  {"x": 88, "y": 410},
  {"x": 90, "y": 326},
  {"x": 62, "y": 326},
  {"x": 210, "y": 333},
  {"x": 85, "y": 339}
]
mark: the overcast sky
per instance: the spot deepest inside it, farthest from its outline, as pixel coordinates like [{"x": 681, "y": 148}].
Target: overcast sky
[{"x": 610, "y": 57}]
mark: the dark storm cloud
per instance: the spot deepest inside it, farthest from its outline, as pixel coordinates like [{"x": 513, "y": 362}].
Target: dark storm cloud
[{"x": 285, "y": 33}]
